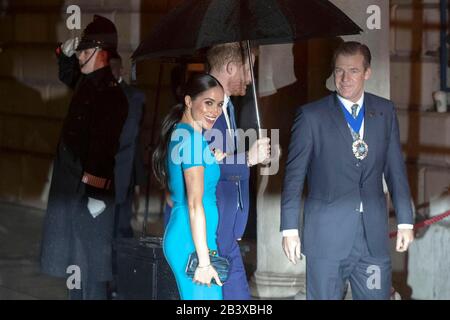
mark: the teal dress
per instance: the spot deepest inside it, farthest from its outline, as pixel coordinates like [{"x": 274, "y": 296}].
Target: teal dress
[{"x": 188, "y": 148}]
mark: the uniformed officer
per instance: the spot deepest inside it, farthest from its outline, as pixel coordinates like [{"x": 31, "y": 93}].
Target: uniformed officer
[{"x": 78, "y": 227}]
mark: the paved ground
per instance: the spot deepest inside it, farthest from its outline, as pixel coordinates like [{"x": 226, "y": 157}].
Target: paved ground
[
  {"x": 20, "y": 234},
  {"x": 20, "y": 238}
]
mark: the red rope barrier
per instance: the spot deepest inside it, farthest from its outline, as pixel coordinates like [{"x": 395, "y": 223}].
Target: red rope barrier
[{"x": 425, "y": 223}]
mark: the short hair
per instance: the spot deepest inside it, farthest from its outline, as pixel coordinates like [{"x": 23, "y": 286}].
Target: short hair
[
  {"x": 351, "y": 48},
  {"x": 219, "y": 55}
]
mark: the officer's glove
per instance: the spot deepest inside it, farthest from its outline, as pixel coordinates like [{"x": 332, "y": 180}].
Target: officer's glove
[
  {"x": 95, "y": 207},
  {"x": 68, "y": 47}
]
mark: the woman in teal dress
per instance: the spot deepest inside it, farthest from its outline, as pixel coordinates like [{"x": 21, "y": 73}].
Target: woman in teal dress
[{"x": 184, "y": 164}]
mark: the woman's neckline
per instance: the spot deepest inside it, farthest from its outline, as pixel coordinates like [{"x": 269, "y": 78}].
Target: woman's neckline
[{"x": 189, "y": 125}]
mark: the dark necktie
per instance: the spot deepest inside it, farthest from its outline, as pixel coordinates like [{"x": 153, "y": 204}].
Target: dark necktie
[{"x": 231, "y": 115}]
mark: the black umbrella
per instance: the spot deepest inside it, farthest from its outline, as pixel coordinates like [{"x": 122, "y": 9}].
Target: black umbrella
[{"x": 196, "y": 24}]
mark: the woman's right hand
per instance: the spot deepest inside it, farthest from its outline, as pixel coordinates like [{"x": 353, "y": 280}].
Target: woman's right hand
[
  {"x": 219, "y": 154},
  {"x": 204, "y": 275}
]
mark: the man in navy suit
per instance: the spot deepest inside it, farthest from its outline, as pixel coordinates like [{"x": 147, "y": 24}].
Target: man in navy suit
[
  {"x": 128, "y": 159},
  {"x": 344, "y": 144},
  {"x": 230, "y": 66}
]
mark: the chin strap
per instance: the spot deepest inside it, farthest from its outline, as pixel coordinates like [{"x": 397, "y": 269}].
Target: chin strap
[{"x": 87, "y": 61}]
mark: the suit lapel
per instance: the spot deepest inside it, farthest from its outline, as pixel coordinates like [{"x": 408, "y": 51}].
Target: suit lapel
[
  {"x": 338, "y": 119},
  {"x": 370, "y": 129},
  {"x": 221, "y": 124}
]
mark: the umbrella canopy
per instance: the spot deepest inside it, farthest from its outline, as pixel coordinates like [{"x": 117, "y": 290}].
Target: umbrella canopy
[{"x": 196, "y": 24}]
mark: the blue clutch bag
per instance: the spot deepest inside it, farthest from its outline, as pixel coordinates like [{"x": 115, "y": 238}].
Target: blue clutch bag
[{"x": 220, "y": 264}]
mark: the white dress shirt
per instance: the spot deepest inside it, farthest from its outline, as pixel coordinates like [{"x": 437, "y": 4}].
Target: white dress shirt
[{"x": 226, "y": 99}]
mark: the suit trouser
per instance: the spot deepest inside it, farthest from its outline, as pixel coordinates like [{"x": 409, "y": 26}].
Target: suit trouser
[
  {"x": 236, "y": 287},
  {"x": 122, "y": 219},
  {"x": 369, "y": 277},
  {"x": 122, "y": 229}
]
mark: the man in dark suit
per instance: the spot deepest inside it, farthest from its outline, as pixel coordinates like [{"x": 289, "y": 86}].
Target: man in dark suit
[
  {"x": 231, "y": 67},
  {"x": 128, "y": 163},
  {"x": 128, "y": 158},
  {"x": 344, "y": 144}
]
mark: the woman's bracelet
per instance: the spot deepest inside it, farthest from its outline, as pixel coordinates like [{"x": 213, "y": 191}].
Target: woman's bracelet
[{"x": 204, "y": 266}]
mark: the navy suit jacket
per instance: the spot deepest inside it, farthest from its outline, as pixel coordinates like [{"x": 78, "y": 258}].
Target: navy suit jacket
[
  {"x": 125, "y": 157},
  {"x": 232, "y": 169},
  {"x": 320, "y": 150}
]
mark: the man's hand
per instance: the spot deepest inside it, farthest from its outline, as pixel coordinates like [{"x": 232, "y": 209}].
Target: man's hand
[
  {"x": 95, "y": 207},
  {"x": 259, "y": 152},
  {"x": 68, "y": 48},
  {"x": 291, "y": 248},
  {"x": 275, "y": 155},
  {"x": 404, "y": 238}
]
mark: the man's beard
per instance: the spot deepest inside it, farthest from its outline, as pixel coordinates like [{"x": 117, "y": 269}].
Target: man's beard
[{"x": 237, "y": 88}]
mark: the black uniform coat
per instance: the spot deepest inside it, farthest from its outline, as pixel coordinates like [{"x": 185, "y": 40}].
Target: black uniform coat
[{"x": 88, "y": 143}]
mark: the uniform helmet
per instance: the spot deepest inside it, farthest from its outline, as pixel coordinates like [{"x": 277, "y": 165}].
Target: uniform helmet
[{"x": 100, "y": 33}]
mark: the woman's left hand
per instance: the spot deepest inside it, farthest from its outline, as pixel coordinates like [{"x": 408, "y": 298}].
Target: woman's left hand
[{"x": 204, "y": 275}]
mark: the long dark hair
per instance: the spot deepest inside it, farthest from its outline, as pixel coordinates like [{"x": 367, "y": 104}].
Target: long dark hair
[{"x": 196, "y": 85}]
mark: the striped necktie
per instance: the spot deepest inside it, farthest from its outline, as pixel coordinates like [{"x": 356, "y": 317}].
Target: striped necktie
[
  {"x": 354, "y": 109},
  {"x": 355, "y": 135}
]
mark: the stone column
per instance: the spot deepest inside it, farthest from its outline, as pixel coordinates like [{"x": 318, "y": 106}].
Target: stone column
[
  {"x": 429, "y": 256},
  {"x": 275, "y": 277}
]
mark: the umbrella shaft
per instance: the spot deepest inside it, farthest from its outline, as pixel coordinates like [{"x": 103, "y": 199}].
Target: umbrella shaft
[{"x": 255, "y": 97}]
